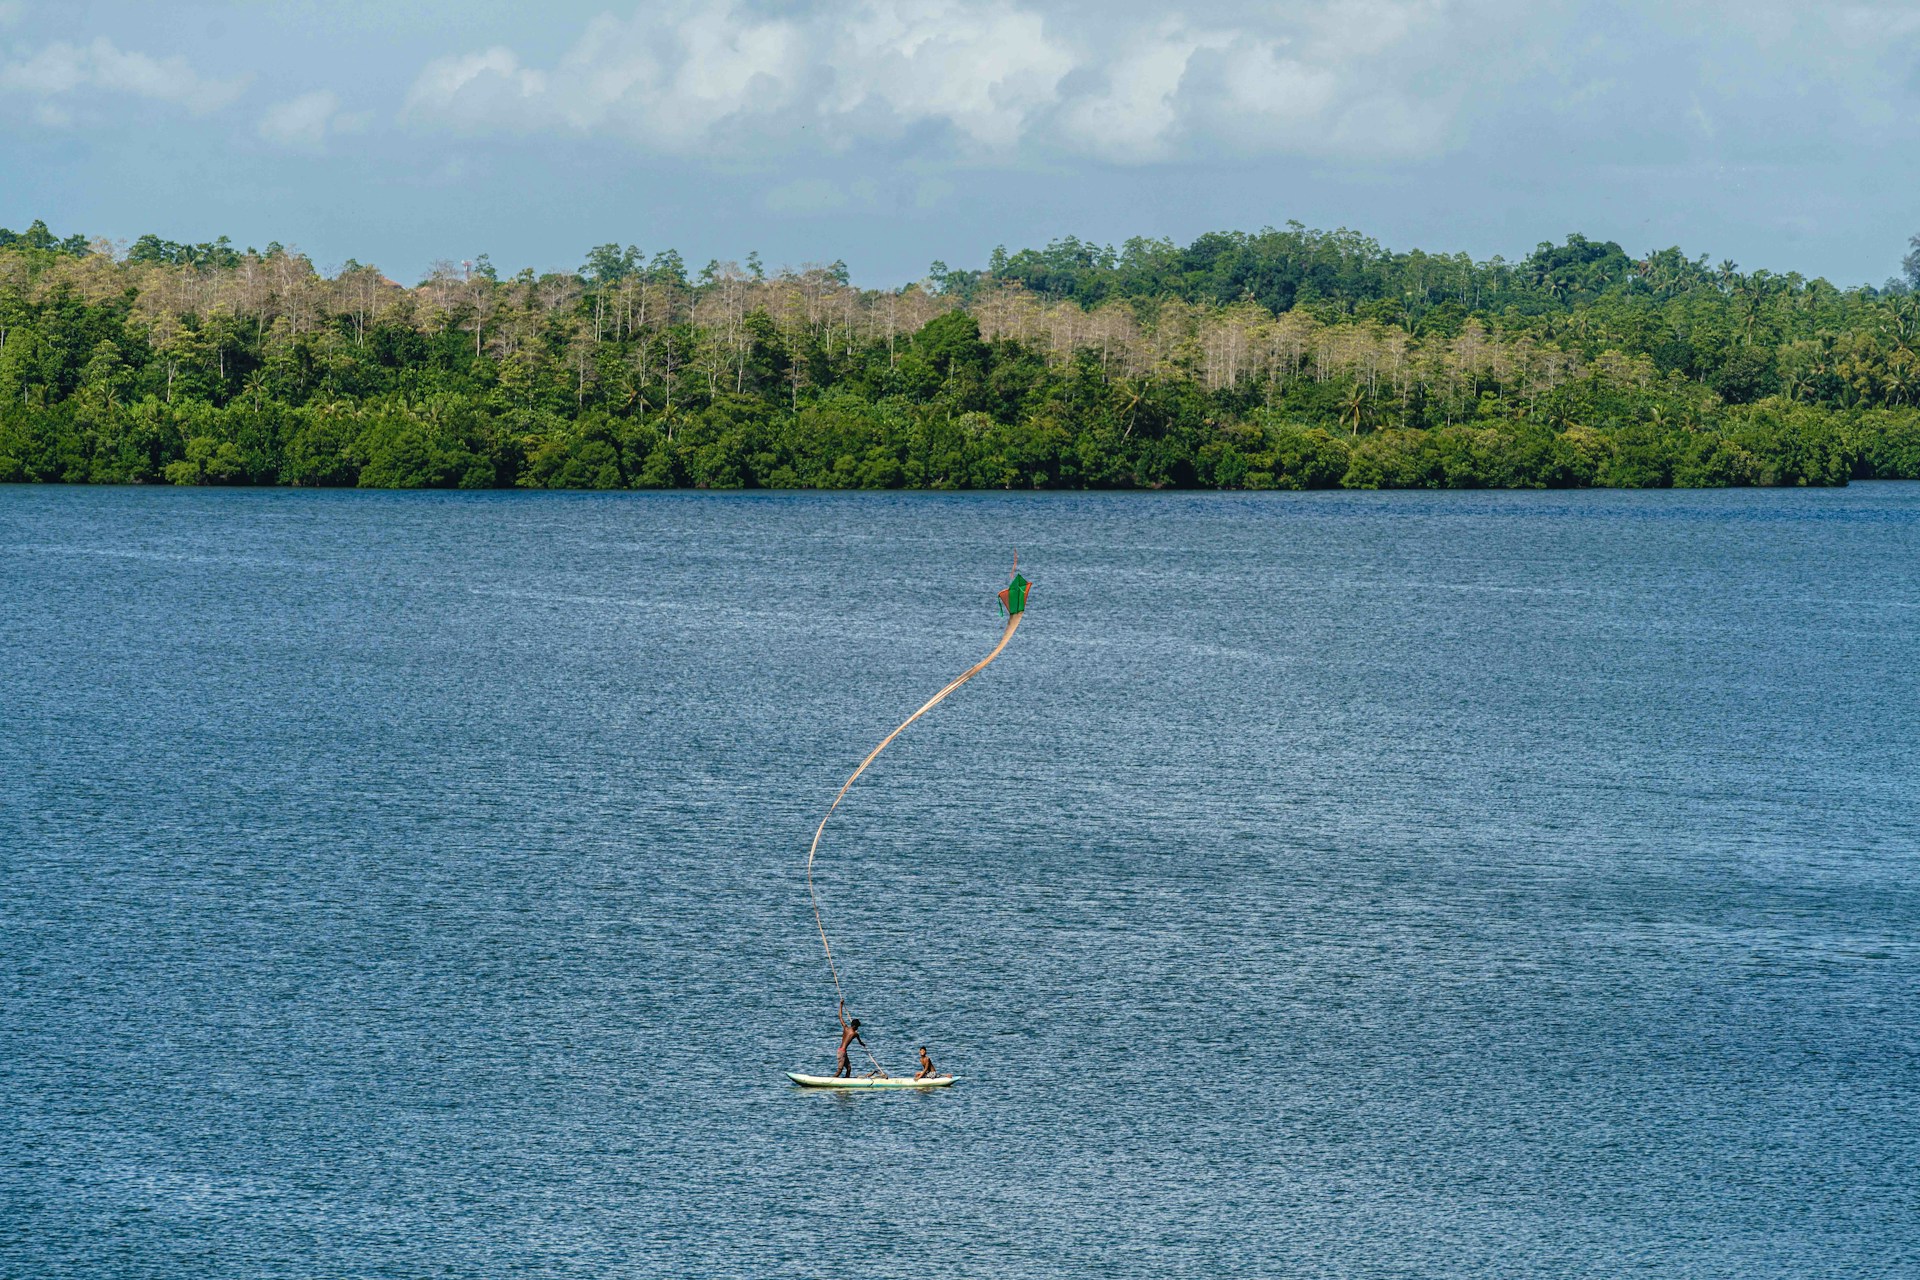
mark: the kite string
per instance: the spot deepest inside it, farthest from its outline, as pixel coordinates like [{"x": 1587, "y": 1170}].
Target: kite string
[{"x": 1013, "y": 624}]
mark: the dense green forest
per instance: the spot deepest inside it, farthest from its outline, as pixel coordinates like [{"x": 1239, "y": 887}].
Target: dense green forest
[{"x": 1284, "y": 358}]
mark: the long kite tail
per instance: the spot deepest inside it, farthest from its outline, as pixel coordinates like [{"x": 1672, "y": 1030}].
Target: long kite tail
[{"x": 1013, "y": 624}]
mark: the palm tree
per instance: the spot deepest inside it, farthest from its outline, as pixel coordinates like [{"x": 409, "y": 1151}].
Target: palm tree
[
  {"x": 1902, "y": 375},
  {"x": 1354, "y": 408},
  {"x": 1904, "y": 318}
]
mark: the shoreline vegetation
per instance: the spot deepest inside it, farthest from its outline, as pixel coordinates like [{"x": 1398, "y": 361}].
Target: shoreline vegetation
[{"x": 1279, "y": 359}]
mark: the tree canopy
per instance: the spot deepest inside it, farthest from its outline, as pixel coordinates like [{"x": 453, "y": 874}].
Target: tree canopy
[{"x": 1282, "y": 358}]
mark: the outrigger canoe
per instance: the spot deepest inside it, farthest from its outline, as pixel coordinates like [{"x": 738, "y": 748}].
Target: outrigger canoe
[{"x": 868, "y": 1082}]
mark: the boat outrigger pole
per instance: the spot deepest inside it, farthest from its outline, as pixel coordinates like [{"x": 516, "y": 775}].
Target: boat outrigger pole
[{"x": 1013, "y": 603}]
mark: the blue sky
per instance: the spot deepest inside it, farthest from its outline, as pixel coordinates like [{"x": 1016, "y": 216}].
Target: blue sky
[{"x": 889, "y": 134}]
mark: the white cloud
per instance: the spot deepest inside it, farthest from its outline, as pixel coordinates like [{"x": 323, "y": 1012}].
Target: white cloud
[
  {"x": 1133, "y": 82},
  {"x": 986, "y": 70},
  {"x": 690, "y": 78},
  {"x": 1134, "y": 115},
  {"x": 1254, "y": 95},
  {"x": 62, "y": 69},
  {"x": 482, "y": 85},
  {"x": 308, "y": 120},
  {"x": 990, "y": 77}
]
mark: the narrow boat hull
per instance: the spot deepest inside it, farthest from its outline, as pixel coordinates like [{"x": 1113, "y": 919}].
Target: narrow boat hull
[{"x": 868, "y": 1082}]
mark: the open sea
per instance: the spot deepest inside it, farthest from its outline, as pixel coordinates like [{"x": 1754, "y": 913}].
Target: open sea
[{"x": 1320, "y": 885}]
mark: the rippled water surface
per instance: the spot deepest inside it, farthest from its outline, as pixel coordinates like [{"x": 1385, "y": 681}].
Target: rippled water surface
[{"x": 1321, "y": 885}]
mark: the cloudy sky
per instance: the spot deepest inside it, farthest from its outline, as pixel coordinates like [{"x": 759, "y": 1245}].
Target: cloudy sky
[{"x": 892, "y": 132}]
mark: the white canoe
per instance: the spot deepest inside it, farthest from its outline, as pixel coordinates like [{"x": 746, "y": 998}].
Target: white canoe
[{"x": 868, "y": 1082}]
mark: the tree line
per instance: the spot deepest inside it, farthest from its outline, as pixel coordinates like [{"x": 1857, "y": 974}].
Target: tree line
[{"x": 1286, "y": 358}]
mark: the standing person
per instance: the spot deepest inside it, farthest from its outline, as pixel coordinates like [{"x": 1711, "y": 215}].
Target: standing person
[
  {"x": 849, "y": 1032},
  {"x": 926, "y": 1071}
]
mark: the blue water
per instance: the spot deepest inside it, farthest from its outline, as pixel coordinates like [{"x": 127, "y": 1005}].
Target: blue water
[{"x": 1321, "y": 885}]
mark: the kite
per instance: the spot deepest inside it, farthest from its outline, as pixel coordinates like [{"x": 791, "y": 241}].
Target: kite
[{"x": 1013, "y": 606}]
